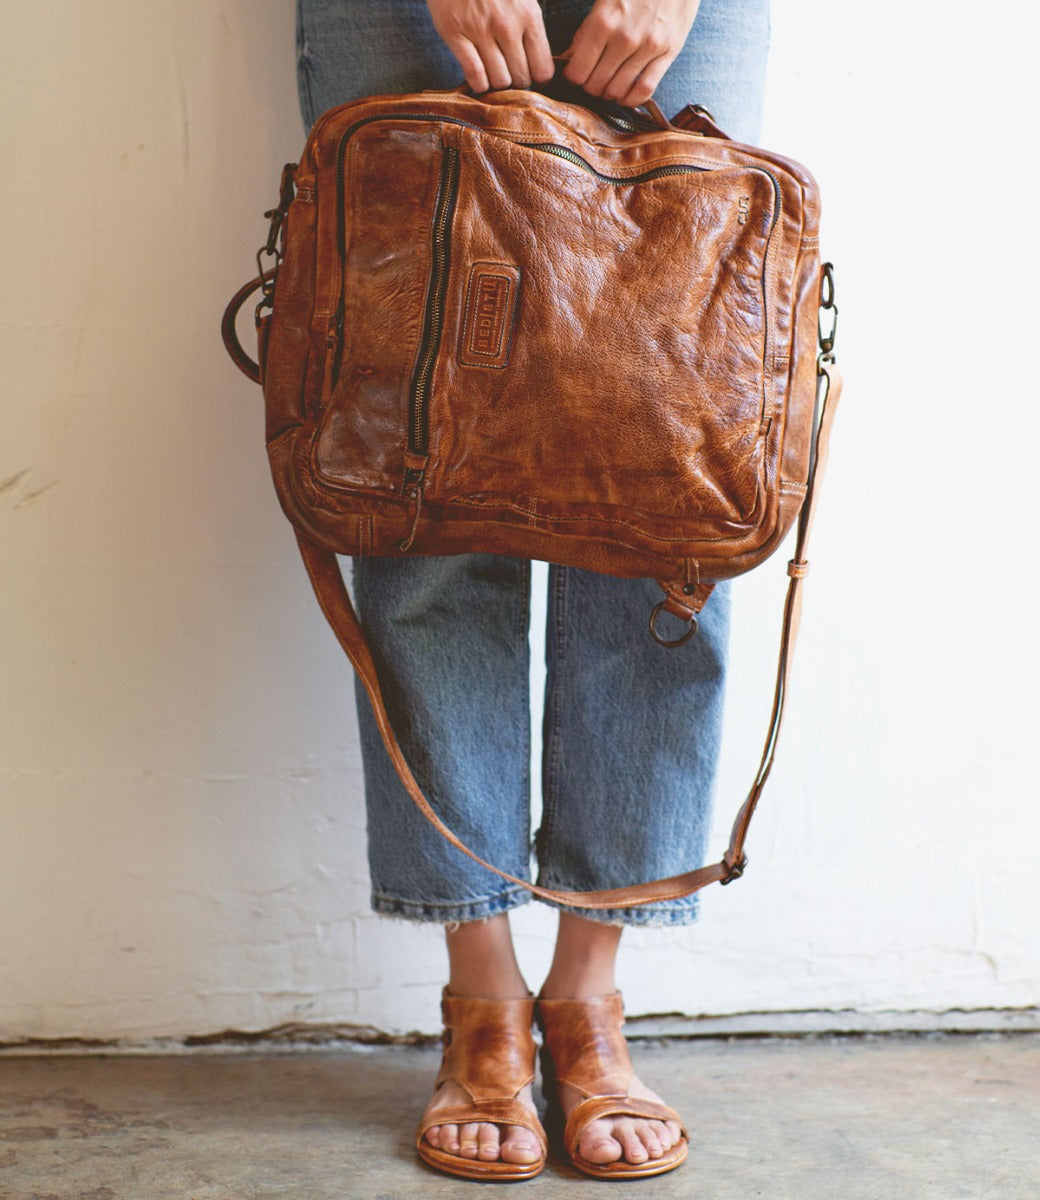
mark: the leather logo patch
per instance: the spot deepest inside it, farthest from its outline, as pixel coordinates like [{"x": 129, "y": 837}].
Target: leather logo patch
[{"x": 487, "y": 330}]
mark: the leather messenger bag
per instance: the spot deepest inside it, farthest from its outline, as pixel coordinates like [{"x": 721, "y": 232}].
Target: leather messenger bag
[{"x": 514, "y": 324}]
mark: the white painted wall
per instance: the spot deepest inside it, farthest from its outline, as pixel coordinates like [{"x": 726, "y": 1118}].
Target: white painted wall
[{"x": 182, "y": 831}]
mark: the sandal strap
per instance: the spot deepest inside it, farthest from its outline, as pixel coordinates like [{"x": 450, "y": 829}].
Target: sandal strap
[
  {"x": 597, "y": 1107},
  {"x": 586, "y": 1045},
  {"x": 488, "y": 1046}
]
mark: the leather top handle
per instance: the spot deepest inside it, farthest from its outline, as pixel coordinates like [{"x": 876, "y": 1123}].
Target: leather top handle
[
  {"x": 562, "y": 89},
  {"x": 249, "y": 368}
]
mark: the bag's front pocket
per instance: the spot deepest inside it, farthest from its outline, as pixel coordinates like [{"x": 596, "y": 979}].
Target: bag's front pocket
[
  {"x": 626, "y": 316},
  {"x": 393, "y": 234}
]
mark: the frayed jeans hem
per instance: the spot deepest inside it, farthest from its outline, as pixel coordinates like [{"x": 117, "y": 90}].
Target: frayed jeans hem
[
  {"x": 651, "y": 916},
  {"x": 423, "y": 911}
]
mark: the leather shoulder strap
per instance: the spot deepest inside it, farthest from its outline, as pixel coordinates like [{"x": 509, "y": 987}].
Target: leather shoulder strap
[{"x": 327, "y": 580}]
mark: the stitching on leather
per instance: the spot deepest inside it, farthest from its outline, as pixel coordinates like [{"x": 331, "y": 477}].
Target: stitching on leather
[{"x": 506, "y": 351}]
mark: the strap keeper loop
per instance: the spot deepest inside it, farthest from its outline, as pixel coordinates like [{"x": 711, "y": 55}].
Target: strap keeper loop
[
  {"x": 734, "y": 870},
  {"x": 798, "y": 569}
]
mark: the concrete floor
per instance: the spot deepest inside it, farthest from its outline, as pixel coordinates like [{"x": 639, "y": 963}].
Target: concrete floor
[{"x": 913, "y": 1118}]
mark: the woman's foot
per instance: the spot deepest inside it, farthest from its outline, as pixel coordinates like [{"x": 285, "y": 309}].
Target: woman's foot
[
  {"x": 583, "y": 970},
  {"x": 611, "y": 1139},
  {"x": 483, "y": 964}
]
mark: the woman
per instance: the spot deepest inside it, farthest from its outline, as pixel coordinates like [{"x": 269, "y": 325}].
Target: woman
[{"x": 631, "y": 730}]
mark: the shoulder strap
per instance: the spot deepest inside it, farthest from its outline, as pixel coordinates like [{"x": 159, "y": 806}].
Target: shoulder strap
[{"x": 327, "y": 580}]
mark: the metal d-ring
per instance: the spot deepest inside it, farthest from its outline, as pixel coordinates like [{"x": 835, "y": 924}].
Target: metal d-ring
[{"x": 662, "y": 641}]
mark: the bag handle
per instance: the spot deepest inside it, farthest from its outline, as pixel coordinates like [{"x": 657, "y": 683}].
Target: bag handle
[
  {"x": 559, "y": 87},
  {"x": 249, "y": 368},
  {"x": 327, "y": 581}
]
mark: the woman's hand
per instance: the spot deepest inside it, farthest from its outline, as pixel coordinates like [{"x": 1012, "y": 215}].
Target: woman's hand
[
  {"x": 623, "y": 47},
  {"x": 499, "y": 43}
]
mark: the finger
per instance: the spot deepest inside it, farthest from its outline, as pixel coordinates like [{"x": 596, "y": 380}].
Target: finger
[
  {"x": 514, "y": 55},
  {"x": 646, "y": 84},
  {"x": 471, "y": 63},
  {"x": 496, "y": 71},
  {"x": 621, "y": 47},
  {"x": 583, "y": 53},
  {"x": 539, "y": 54},
  {"x": 625, "y": 77}
]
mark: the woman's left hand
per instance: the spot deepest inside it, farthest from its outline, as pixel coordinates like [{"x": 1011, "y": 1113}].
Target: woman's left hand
[{"x": 623, "y": 47}]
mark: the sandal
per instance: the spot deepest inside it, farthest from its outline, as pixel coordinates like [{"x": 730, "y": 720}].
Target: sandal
[
  {"x": 583, "y": 1046},
  {"x": 490, "y": 1052}
]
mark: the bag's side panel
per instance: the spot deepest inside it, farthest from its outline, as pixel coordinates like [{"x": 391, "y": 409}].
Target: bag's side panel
[
  {"x": 802, "y": 403},
  {"x": 288, "y": 332}
]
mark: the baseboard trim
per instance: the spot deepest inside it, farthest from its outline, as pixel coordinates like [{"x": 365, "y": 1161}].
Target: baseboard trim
[{"x": 302, "y": 1038}]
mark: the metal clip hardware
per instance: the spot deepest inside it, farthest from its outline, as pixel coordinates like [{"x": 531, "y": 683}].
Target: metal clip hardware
[
  {"x": 827, "y": 324},
  {"x": 660, "y": 639},
  {"x": 271, "y": 249}
]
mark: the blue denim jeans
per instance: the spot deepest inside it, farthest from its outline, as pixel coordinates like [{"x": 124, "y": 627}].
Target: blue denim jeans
[{"x": 631, "y": 729}]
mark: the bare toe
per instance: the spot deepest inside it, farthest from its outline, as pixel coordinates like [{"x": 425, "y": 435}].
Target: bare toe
[
  {"x": 598, "y": 1145},
  {"x": 651, "y": 1139},
  {"x": 468, "y": 1145},
  {"x": 635, "y": 1151},
  {"x": 444, "y": 1137},
  {"x": 519, "y": 1146},
  {"x": 487, "y": 1142}
]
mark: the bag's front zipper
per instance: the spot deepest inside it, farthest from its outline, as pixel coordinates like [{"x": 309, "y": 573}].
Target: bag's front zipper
[
  {"x": 433, "y": 321},
  {"x": 430, "y": 340}
]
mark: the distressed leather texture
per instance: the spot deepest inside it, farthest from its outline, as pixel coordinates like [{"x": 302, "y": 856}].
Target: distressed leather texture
[{"x": 504, "y": 324}]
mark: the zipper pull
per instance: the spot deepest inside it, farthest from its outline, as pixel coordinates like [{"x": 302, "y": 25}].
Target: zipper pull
[{"x": 414, "y": 480}]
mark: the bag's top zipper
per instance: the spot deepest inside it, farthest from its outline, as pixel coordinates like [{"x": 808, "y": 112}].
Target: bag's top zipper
[
  {"x": 548, "y": 147},
  {"x": 572, "y": 156}
]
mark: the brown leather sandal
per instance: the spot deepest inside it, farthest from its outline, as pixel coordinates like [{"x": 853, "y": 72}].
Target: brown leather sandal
[
  {"x": 490, "y": 1052},
  {"x": 583, "y": 1046}
]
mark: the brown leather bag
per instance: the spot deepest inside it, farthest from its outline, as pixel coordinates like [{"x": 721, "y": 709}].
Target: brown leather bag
[{"x": 518, "y": 325}]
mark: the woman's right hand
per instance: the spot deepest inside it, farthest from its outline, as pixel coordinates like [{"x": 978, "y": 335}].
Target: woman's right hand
[{"x": 499, "y": 43}]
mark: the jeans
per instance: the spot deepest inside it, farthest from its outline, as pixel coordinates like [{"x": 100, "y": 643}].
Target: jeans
[{"x": 631, "y": 729}]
